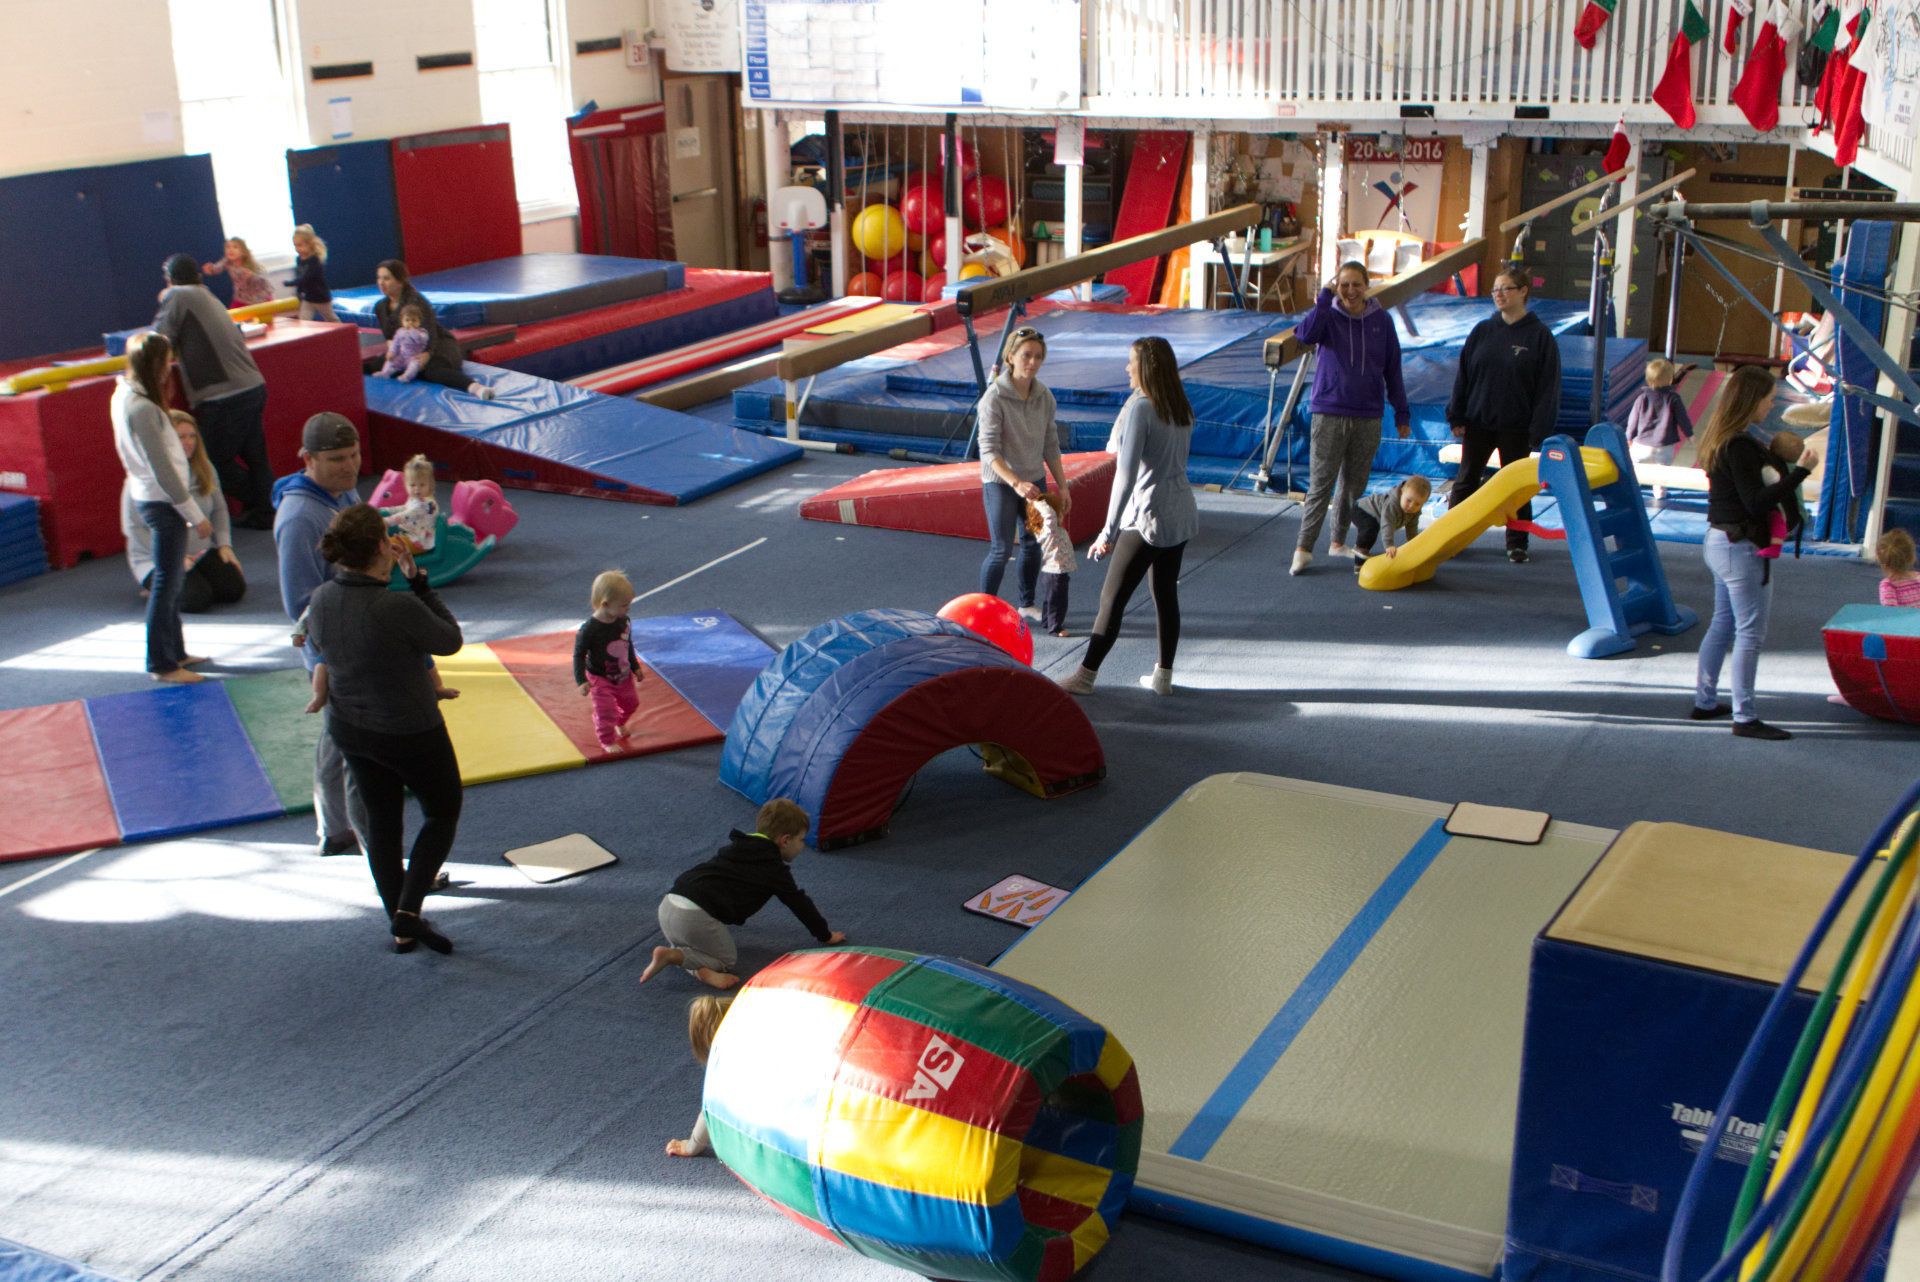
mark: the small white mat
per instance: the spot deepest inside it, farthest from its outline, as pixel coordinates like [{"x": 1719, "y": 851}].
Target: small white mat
[
  {"x": 1498, "y": 823},
  {"x": 561, "y": 857}
]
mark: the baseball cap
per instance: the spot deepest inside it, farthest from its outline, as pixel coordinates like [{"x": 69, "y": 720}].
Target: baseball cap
[{"x": 328, "y": 431}]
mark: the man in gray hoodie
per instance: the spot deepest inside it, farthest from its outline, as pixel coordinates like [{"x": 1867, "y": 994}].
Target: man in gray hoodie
[
  {"x": 224, "y": 386},
  {"x": 305, "y": 505}
]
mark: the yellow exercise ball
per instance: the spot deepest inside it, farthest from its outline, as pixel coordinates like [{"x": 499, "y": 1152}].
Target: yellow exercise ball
[
  {"x": 970, "y": 270},
  {"x": 879, "y": 232}
]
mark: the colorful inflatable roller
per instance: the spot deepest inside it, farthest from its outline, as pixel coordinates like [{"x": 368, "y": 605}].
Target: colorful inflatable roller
[
  {"x": 1873, "y": 652},
  {"x": 846, "y": 715},
  {"x": 926, "y": 1112}
]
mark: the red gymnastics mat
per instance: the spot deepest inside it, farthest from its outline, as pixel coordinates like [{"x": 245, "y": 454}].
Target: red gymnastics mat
[
  {"x": 60, "y": 801},
  {"x": 945, "y": 499},
  {"x": 543, "y": 665},
  {"x": 705, "y": 288}
]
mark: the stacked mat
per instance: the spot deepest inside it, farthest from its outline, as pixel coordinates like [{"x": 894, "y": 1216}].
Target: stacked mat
[
  {"x": 518, "y": 291},
  {"x": 23, "y": 553},
  {"x": 1625, "y": 373},
  {"x": 162, "y": 762}
]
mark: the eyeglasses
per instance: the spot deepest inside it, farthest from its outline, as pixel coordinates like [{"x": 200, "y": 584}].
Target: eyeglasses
[{"x": 1507, "y": 289}]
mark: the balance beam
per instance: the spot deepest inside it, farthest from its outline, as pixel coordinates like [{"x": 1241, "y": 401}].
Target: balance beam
[{"x": 1284, "y": 347}]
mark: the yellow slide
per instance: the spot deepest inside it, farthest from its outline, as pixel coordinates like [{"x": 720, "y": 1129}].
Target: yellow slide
[{"x": 1492, "y": 504}]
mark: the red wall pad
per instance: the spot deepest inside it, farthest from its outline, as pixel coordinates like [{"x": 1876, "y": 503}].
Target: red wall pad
[
  {"x": 1152, "y": 179},
  {"x": 945, "y": 499},
  {"x": 456, "y": 198},
  {"x": 1873, "y": 652},
  {"x": 59, "y": 800},
  {"x": 58, "y": 445}
]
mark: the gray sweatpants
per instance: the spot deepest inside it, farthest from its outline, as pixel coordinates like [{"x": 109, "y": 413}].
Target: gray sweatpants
[
  {"x": 337, "y": 804},
  {"x": 1339, "y": 449},
  {"x": 703, "y": 941}
]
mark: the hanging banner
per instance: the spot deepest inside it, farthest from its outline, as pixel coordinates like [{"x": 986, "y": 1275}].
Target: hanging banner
[
  {"x": 1398, "y": 193},
  {"x": 1892, "y": 64},
  {"x": 700, "y": 35}
]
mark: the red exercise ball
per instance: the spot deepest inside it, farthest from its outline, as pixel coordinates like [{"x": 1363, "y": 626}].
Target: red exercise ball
[
  {"x": 903, "y": 287},
  {"x": 921, "y": 208},
  {"x": 983, "y": 201},
  {"x": 936, "y": 286},
  {"x": 866, "y": 283},
  {"x": 937, "y": 249},
  {"x": 993, "y": 621}
]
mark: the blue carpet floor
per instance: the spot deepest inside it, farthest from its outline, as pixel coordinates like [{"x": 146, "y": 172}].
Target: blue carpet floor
[{"x": 215, "y": 1071}]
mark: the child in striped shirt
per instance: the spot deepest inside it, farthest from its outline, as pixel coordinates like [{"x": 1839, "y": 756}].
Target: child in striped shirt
[{"x": 1894, "y": 552}]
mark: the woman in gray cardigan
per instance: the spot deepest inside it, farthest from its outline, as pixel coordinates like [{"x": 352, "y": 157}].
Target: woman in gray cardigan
[
  {"x": 1019, "y": 445},
  {"x": 1151, "y": 514},
  {"x": 384, "y": 712}
]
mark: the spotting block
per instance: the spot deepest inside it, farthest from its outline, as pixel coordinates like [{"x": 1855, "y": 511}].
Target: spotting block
[
  {"x": 945, "y": 499},
  {"x": 1873, "y": 652}
]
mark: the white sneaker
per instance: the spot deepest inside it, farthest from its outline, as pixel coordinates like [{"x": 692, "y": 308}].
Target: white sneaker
[
  {"x": 1031, "y": 613},
  {"x": 1160, "y": 681},
  {"x": 1338, "y": 550},
  {"x": 1301, "y": 560},
  {"x": 481, "y": 390},
  {"x": 1081, "y": 682}
]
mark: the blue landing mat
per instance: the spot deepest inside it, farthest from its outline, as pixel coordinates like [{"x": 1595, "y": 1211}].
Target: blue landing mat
[
  {"x": 629, "y": 443},
  {"x": 711, "y": 659},
  {"x": 178, "y": 760},
  {"x": 532, "y": 287},
  {"x": 599, "y": 351},
  {"x": 24, "y": 1264}
]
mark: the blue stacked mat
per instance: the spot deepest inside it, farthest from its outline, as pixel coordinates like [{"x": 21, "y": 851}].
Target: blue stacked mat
[
  {"x": 519, "y": 291},
  {"x": 23, "y": 553},
  {"x": 1625, "y": 374}
]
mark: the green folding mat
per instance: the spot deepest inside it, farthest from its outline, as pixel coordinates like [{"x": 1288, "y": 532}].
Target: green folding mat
[
  {"x": 1325, "y": 994},
  {"x": 270, "y": 707}
]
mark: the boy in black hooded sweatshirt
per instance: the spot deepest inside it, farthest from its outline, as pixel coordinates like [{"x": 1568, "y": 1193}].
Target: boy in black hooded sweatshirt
[{"x": 731, "y": 887}]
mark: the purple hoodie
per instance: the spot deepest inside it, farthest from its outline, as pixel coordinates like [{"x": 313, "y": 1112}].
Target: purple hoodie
[{"x": 1359, "y": 366}]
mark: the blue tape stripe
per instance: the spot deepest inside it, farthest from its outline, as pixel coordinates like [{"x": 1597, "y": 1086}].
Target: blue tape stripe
[{"x": 1228, "y": 1098}]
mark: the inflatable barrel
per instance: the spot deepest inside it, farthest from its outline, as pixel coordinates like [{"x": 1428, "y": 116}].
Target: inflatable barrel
[{"x": 926, "y": 1112}]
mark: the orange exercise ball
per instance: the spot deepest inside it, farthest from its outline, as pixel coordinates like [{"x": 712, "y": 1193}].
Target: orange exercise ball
[{"x": 866, "y": 283}]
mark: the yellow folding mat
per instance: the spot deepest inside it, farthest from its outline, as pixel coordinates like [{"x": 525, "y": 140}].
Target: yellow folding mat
[
  {"x": 498, "y": 731},
  {"x": 861, "y": 322}
]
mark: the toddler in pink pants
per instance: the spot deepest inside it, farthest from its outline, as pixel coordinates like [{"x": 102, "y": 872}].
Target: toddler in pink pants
[{"x": 604, "y": 666}]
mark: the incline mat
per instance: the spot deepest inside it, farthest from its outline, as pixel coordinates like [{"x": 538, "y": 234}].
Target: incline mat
[
  {"x": 945, "y": 499},
  {"x": 153, "y": 763},
  {"x": 541, "y": 435},
  {"x": 1331, "y": 1056},
  {"x": 518, "y": 291}
]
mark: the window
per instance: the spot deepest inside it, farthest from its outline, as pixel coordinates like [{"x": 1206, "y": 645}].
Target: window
[
  {"x": 521, "y": 83},
  {"x": 235, "y": 105}
]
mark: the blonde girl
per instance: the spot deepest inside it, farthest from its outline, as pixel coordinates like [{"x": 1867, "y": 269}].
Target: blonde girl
[
  {"x": 310, "y": 275},
  {"x": 250, "y": 283}
]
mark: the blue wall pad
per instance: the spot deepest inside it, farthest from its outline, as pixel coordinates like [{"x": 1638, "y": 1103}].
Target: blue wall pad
[
  {"x": 81, "y": 249},
  {"x": 178, "y": 760},
  {"x": 532, "y": 287},
  {"x": 599, "y": 351},
  {"x": 1848, "y": 478},
  {"x": 346, "y": 192},
  {"x": 627, "y": 443},
  {"x": 24, "y": 1264},
  {"x": 711, "y": 659}
]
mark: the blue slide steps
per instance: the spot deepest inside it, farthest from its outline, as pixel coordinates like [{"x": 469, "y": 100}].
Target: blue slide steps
[{"x": 1611, "y": 542}]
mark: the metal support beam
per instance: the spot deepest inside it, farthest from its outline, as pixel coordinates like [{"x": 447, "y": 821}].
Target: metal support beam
[{"x": 1762, "y": 212}]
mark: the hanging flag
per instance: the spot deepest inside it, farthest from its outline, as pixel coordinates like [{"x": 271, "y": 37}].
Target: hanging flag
[
  {"x": 1849, "y": 120},
  {"x": 1592, "y": 17},
  {"x": 1674, "y": 93},
  {"x": 1618, "y": 148},
  {"x": 1738, "y": 11},
  {"x": 1757, "y": 92}
]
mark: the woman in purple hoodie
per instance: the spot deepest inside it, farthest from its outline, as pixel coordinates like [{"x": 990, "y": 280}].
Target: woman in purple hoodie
[{"x": 1358, "y": 372}]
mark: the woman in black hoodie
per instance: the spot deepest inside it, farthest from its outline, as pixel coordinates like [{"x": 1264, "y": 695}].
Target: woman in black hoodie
[{"x": 1506, "y": 395}]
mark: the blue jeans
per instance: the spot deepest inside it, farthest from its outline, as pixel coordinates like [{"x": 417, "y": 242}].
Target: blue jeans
[
  {"x": 1740, "y": 606},
  {"x": 1006, "y": 520},
  {"x": 166, "y": 645}
]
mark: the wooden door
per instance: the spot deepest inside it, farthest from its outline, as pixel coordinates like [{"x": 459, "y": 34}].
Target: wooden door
[{"x": 700, "y": 152}]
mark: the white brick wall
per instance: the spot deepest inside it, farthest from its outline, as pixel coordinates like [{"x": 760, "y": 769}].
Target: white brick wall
[
  {"x": 77, "y": 78},
  {"x": 605, "y": 78},
  {"x": 398, "y": 98}
]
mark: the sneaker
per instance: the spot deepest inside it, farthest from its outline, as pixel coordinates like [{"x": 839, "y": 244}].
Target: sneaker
[
  {"x": 1518, "y": 556},
  {"x": 1031, "y": 613},
  {"x": 481, "y": 390},
  {"x": 1081, "y": 682},
  {"x": 1301, "y": 560},
  {"x": 1714, "y": 713},
  {"x": 1160, "y": 681},
  {"x": 1759, "y": 730},
  {"x": 347, "y": 845}
]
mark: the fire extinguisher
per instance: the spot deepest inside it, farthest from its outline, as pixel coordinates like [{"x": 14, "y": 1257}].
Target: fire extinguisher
[{"x": 757, "y": 208}]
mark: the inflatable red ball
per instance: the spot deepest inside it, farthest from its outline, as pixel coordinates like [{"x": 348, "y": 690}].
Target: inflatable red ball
[
  {"x": 936, "y": 286},
  {"x": 992, "y": 620},
  {"x": 921, "y": 207},
  {"x": 983, "y": 202},
  {"x": 904, "y": 287},
  {"x": 937, "y": 249},
  {"x": 866, "y": 283}
]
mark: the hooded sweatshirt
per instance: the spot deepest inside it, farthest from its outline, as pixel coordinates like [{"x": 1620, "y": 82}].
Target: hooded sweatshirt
[
  {"x": 1509, "y": 379},
  {"x": 303, "y": 509},
  {"x": 736, "y": 883},
  {"x": 1358, "y": 370}
]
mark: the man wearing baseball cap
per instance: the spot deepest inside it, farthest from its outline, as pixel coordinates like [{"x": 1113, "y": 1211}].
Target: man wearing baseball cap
[{"x": 304, "y": 505}]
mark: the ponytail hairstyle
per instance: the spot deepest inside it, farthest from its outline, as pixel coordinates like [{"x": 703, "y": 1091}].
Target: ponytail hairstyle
[
  {"x": 1160, "y": 380},
  {"x": 148, "y": 355},
  {"x": 355, "y": 537},
  {"x": 1732, "y": 411}
]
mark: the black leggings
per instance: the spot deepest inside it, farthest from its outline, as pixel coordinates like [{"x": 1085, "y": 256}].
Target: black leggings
[
  {"x": 212, "y": 581},
  {"x": 384, "y": 766},
  {"x": 445, "y": 374},
  {"x": 1132, "y": 559}
]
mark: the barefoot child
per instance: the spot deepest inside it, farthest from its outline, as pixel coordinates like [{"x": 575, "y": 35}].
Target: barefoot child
[
  {"x": 1057, "y": 562},
  {"x": 1894, "y": 552},
  {"x": 703, "y": 1021},
  {"x": 1392, "y": 512},
  {"x": 731, "y": 887},
  {"x": 603, "y": 664}
]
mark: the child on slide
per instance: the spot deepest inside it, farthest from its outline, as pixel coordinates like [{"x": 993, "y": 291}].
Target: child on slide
[
  {"x": 750, "y": 869},
  {"x": 1394, "y": 512}
]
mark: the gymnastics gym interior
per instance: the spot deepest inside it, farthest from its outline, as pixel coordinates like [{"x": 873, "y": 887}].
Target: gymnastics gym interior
[{"x": 1419, "y": 933}]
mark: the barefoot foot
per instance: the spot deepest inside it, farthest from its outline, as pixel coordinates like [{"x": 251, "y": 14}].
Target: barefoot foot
[
  {"x": 663, "y": 957},
  {"x": 716, "y": 978}
]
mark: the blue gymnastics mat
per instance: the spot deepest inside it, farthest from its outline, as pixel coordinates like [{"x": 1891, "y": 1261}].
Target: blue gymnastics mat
[
  {"x": 711, "y": 659},
  {"x": 178, "y": 760},
  {"x": 626, "y": 444},
  {"x": 346, "y": 192},
  {"x": 24, "y": 1264},
  {"x": 532, "y": 287}
]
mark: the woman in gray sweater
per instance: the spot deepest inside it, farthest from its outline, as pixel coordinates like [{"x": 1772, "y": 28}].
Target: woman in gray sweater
[
  {"x": 1019, "y": 445},
  {"x": 1151, "y": 514},
  {"x": 385, "y": 712}
]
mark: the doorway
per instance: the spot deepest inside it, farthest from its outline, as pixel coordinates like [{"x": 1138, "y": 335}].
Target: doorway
[{"x": 700, "y": 163}]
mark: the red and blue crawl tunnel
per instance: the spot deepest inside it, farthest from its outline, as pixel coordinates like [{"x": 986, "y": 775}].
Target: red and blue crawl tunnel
[{"x": 926, "y": 1112}]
